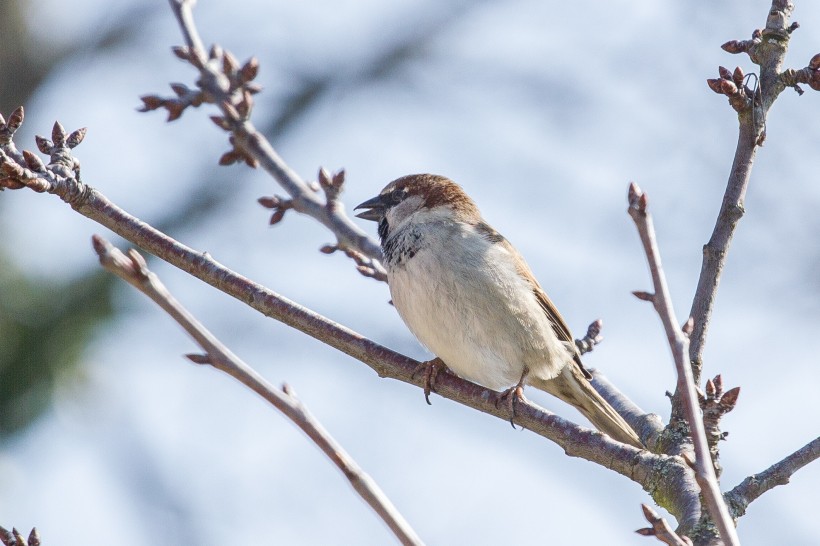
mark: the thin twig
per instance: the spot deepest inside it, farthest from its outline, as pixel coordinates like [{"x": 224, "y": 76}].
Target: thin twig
[
  {"x": 767, "y": 49},
  {"x": 133, "y": 269},
  {"x": 679, "y": 343},
  {"x": 661, "y": 530},
  {"x": 227, "y": 85},
  {"x": 779, "y": 473}
]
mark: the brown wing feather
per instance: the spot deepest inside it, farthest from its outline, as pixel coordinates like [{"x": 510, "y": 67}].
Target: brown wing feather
[{"x": 559, "y": 325}]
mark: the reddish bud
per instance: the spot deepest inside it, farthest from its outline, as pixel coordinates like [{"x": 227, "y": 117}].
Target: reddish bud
[
  {"x": 229, "y": 158},
  {"x": 733, "y": 46},
  {"x": 269, "y": 202},
  {"x": 645, "y": 296},
  {"x": 724, "y": 73},
  {"x": 221, "y": 122},
  {"x": 182, "y": 52},
  {"x": 729, "y": 400},
  {"x": 714, "y": 85},
  {"x": 253, "y": 88},
  {"x": 58, "y": 134},
  {"x": 16, "y": 119},
  {"x": 179, "y": 88},
  {"x": 738, "y": 76},
  {"x": 76, "y": 137},
  {"x": 328, "y": 249},
  {"x": 728, "y": 87},
  {"x": 276, "y": 217},
  {"x": 229, "y": 63},
  {"x": 33, "y": 162},
  {"x": 710, "y": 389},
  {"x": 150, "y": 102},
  {"x": 174, "y": 109},
  {"x": 249, "y": 70},
  {"x": 814, "y": 63},
  {"x": 43, "y": 144}
]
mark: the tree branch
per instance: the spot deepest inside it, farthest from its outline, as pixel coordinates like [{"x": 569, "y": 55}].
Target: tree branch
[
  {"x": 661, "y": 530},
  {"x": 679, "y": 343},
  {"x": 134, "y": 270},
  {"x": 767, "y": 49},
  {"x": 666, "y": 478},
  {"x": 779, "y": 473},
  {"x": 223, "y": 82}
]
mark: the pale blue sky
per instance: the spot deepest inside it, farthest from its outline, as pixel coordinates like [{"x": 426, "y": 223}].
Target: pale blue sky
[{"x": 544, "y": 114}]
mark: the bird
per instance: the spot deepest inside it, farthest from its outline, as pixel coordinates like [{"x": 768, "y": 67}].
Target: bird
[{"x": 470, "y": 298}]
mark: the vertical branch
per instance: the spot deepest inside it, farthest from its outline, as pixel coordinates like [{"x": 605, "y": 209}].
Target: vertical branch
[
  {"x": 767, "y": 49},
  {"x": 679, "y": 343}
]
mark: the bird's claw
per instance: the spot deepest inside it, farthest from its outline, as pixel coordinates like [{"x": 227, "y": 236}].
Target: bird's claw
[
  {"x": 510, "y": 398},
  {"x": 431, "y": 370}
]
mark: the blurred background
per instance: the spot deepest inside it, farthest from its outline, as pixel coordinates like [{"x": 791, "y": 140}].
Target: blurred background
[{"x": 544, "y": 114}]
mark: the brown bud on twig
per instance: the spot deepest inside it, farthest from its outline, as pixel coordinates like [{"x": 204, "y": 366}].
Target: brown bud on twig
[
  {"x": 328, "y": 249},
  {"x": 245, "y": 105},
  {"x": 229, "y": 63},
  {"x": 792, "y": 27},
  {"x": 76, "y": 137},
  {"x": 814, "y": 63},
  {"x": 276, "y": 217},
  {"x": 249, "y": 70},
  {"x": 33, "y": 162},
  {"x": 180, "y": 89},
  {"x": 215, "y": 52},
  {"x": 269, "y": 202},
  {"x": 645, "y": 296},
  {"x": 688, "y": 327},
  {"x": 43, "y": 144},
  {"x": 729, "y": 399},
  {"x": 58, "y": 134},
  {"x": 198, "y": 358},
  {"x": 16, "y": 119},
  {"x": 733, "y": 46},
  {"x": 150, "y": 102},
  {"x": 738, "y": 76},
  {"x": 182, "y": 52},
  {"x": 724, "y": 73},
  {"x": 221, "y": 122},
  {"x": 728, "y": 87},
  {"x": 229, "y": 158},
  {"x": 714, "y": 85},
  {"x": 175, "y": 109}
]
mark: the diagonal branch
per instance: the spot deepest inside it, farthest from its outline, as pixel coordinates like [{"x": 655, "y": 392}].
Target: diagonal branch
[
  {"x": 133, "y": 269},
  {"x": 226, "y": 84},
  {"x": 779, "y": 473},
  {"x": 679, "y": 343},
  {"x": 673, "y": 488}
]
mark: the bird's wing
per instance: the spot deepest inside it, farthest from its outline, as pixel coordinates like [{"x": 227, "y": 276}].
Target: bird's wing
[{"x": 559, "y": 325}]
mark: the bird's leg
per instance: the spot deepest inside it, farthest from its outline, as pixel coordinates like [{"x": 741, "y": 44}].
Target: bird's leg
[
  {"x": 512, "y": 395},
  {"x": 431, "y": 370}
]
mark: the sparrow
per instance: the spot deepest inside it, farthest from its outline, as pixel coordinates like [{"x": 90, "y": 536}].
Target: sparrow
[{"x": 468, "y": 296}]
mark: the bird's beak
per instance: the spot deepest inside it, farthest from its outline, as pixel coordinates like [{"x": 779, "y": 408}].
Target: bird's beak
[{"x": 375, "y": 209}]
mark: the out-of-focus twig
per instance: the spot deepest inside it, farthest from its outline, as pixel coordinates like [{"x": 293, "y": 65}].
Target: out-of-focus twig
[
  {"x": 14, "y": 538},
  {"x": 133, "y": 269},
  {"x": 679, "y": 343},
  {"x": 229, "y": 85}
]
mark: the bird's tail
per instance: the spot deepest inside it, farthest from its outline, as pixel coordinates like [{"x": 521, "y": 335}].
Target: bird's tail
[{"x": 573, "y": 388}]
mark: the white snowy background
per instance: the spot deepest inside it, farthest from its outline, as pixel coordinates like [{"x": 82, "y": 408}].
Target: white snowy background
[{"x": 543, "y": 111}]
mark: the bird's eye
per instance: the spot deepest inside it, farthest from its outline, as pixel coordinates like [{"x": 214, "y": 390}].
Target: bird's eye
[{"x": 397, "y": 195}]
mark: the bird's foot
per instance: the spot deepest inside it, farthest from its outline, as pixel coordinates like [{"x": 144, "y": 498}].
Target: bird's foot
[
  {"x": 431, "y": 369},
  {"x": 510, "y": 398}
]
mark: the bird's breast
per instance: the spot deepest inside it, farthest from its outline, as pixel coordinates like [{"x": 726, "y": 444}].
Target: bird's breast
[{"x": 462, "y": 297}]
